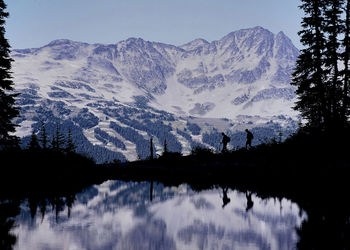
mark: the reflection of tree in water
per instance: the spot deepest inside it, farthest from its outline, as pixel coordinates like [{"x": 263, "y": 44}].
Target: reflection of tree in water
[
  {"x": 327, "y": 225},
  {"x": 53, "y": 203},
  {"x": 8, "y": 211},
  {"x": 42, "y": 207},
  {"x": 70, "y": 199}
]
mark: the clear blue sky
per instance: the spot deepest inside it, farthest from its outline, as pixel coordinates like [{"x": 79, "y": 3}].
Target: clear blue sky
[{"x": 34, "y": 23}]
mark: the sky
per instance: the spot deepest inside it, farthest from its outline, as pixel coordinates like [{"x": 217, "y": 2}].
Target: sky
[{"x": 35, "y": 23}]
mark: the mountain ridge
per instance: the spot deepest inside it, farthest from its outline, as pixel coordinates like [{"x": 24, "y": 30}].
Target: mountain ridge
[{"x": 127, "y": 88}]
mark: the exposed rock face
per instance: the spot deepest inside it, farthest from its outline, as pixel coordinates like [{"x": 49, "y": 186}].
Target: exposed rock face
[{"x": 136, "y": 84}]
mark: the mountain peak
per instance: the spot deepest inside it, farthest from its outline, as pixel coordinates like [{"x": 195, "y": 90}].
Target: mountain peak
[
  {"x": 281, "y": 33},
  {"x": 285, "y": 47},
  {"x": 194, "y": 44},
  {"x": 247, "y": 32},
  {"x": 258, "y": 28},
  {"x": 60, "y": 42},
  {"x": 283, "y": 37},
  {"x": 134, "y": 39}
]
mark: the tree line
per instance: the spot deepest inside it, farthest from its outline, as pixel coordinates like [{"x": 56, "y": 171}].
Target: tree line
[
  {"x": 58, "y": 143},
  {"x": 8, "y": 110},
  {"x": 322, "y": 70}
]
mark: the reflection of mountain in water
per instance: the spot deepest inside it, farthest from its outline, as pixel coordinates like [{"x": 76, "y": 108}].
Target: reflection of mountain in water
[{"x": 119, "y": 215}]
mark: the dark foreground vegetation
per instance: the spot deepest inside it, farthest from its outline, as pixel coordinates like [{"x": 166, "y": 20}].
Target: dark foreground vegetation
[
  {"x": 308, "y": 156},
  {"x": 310, "y": 168},
  {"x": 24, "y": 172}
]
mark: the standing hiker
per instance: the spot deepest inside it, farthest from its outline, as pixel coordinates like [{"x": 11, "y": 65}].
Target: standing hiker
[
  {"x": 249, "y": 139},
  {"x": 225, "y": 140}
]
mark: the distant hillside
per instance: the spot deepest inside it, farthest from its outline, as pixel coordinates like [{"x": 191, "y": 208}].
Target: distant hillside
[{"x": 115, "y": 97}]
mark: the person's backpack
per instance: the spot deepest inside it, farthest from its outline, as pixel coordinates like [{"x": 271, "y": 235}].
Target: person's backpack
[
  {"x": 250, "y": 134},
  {"x": 227, "y": 139}
]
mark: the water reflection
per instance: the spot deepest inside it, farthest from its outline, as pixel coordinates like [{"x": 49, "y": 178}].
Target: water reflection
[
  {"x": 225, "y": 199},
  {"x": 120, "y": 215},
  {"x": 8, "y": 210}
]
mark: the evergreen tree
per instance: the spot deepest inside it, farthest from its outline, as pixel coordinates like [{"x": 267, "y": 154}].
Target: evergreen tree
[
  {"x": 8, "y": 111},
  {"x": 345, "y": 57},
  {"x": 70, "y": 145},
  {"x": 58, "y": 140},
  {"x": 309, "y": 75},
  {"x": 151, "y": 148},
  {"x": 165, "y": 147},
  {"x": 34, "y": 144},
  {"x": 43, "y": 136},
  {"x": 333, "y": 27},
  {"x": 323, "y": 86}
]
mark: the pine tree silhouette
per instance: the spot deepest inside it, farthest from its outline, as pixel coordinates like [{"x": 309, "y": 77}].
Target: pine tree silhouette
[
  {"x": 333, "y": 26},
  {"x": 8, "y": 111},
  {"x": 165, "y": 150},
  {"x": 151, "y": 148},
  {"x": 58, "y": 140},
  {"x": 43, "y": 136},
  {"x": 70, "y": 145},
  {"x": 309, "y": 75},
  {"x": 34, "y": 144},
  {"x": 346, "y": 59},
  {"x": 322, "y": 88}
]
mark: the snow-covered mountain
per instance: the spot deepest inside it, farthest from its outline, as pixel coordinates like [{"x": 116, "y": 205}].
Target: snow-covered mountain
[
  {"x": 119, "y": 215},
  {"x": 116, "y": 96}
]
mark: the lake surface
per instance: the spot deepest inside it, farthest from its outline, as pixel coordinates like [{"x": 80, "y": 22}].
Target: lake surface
[{"x": 129, "y": 215}]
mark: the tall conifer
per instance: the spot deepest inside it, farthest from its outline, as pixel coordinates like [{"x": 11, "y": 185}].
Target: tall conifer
[
  {"x": 34, "y": 144},
  {"x": 151, "y": 148},
  {"x": 58, "y": 140},
  {"x": 8, "y": 111},
  {"x": 165, "y": 150},
  {"x": 346, "y": 59},
  {"x": 70, "y": 148},
  {"x": 43, "y": 136},
  {"x": 333, "y": 28},
  {"x": 309, "y": 75}
]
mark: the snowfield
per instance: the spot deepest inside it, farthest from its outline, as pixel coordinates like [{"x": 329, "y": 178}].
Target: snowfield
[{"x": 133, "y": 82}]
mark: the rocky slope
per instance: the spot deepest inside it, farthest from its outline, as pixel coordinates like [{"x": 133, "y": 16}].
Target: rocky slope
[{"x": 115, "y": 97}]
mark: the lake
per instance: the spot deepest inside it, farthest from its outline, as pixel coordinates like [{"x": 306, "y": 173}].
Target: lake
[{"x": 148, "y": 215}]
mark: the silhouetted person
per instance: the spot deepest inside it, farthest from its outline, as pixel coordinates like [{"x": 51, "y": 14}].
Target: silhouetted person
[
  {"x": 249, "y": 139},
  {"x": 225, "y": 199},
  {"x": 250, "y": 202},
  {"x": 225, "y": 140}
]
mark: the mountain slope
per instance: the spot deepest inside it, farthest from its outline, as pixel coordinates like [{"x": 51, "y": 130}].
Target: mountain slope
[{"x": 117, "y": 96}]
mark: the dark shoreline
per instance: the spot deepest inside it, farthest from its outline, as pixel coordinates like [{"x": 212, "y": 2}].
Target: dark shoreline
[
  {"x": 298, "y": 165},
  {"x": 318, "y": 184}
]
